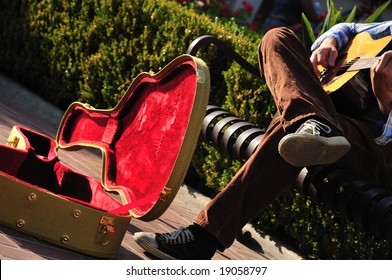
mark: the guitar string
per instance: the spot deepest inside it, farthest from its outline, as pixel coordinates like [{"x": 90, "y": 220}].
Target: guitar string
[{"x": 362, "y": 63}]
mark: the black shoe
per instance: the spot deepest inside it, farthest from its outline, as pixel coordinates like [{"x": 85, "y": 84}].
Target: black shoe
[
  {"x": 314, "y": 143},
  {"x": 182, "y": 244}
]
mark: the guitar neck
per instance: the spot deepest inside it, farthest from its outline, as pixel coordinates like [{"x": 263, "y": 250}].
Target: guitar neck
[{"x": 361, "y": 63}]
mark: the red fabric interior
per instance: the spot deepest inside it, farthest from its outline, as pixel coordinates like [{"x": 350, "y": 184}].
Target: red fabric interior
[
  {"x": 142, "y": 136},
  {"x": 38, "y": 166},
  {"x": 11, "y": 159}
]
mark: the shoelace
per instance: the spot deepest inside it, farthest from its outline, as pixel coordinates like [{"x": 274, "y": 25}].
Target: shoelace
[
  {"x": 181, "y": 235},
  {"x": 314, "y": 127}
]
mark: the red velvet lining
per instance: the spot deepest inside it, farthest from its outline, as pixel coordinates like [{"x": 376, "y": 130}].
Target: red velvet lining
[
  {"x": 39, "y": 167},
  {"x": 143, "y": 136},
  {"x": 83, "y": 189},
  {"x": 11, "y": 159}
]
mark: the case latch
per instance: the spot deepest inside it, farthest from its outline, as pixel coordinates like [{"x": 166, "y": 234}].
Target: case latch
[
  {"x": 13, "y": 142},
  {"x": 105, "y": 229}
]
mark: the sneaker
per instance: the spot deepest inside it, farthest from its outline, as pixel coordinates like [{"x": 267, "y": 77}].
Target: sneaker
[
  {"x": 314, "y": 143},
  {"x": 180, "y": 244}
]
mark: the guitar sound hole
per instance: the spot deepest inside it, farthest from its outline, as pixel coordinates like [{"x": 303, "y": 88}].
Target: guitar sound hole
[
  {"x": 326, "y": 76},
  {"x": 342, "y": 70}
]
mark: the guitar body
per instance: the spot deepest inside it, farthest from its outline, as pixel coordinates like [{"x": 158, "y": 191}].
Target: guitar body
[
  {"x": 349, "y": 77},
  {"x": 362, "y": 46}
]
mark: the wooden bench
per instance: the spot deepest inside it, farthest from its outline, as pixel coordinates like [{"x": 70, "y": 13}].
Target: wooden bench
[{"x": 367, "y": 205}]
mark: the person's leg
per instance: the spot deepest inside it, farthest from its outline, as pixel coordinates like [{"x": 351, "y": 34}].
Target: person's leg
[
  {"x": 366, "y": 160},
  {"x": 286, "y": 68},
  {"x": 260, "y": 180},
  {"x": 298, "y": 96}
]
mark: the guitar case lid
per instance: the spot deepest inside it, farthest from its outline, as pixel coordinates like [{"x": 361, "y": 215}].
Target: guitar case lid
[{"x": 148, "y": 139}]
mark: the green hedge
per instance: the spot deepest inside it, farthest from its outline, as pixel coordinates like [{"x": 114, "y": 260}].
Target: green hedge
[{"x": 91, "y": 50}]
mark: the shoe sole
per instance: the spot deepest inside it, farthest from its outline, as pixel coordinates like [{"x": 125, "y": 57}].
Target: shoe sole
[
  {"x": 152, "y": 249},
  {"x": 303, "y": 150}
]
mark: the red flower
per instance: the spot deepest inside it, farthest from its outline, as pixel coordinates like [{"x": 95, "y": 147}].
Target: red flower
[
  {"x": 247, "y": 6},
  {"x": 296, "y": 27},
  {"x": 253, "y": 27},
  {"x": 225, "y": 14},
  {"x": 259, "y": 16}
]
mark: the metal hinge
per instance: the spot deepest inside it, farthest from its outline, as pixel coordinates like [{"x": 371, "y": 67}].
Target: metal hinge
[{"x": 165, "y": 194}]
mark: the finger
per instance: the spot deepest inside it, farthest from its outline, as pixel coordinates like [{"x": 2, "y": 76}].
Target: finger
[
  {"x": 315, "y": 64},
  {"x": 376, "y": 65},
  {"x": 384, "y": 62},
  {"x": 332, "y": 55},
  {"x": 320, "y": 59}
]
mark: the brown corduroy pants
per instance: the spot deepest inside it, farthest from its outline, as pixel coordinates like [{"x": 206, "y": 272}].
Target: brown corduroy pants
[{"x": 297, "y": 93}]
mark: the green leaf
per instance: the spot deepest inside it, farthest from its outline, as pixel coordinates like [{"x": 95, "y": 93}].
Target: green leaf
[
  {"x": 307, "y": 32},
  {"x": 351, "y": 16}
]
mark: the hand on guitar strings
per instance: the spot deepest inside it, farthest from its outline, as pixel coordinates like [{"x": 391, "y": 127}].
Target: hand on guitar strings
[
  {"x": 381, "y": 80},
  {"x": 325, "y": 55}
]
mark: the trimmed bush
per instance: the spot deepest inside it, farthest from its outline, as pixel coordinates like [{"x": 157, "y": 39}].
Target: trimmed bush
[{"x": 91, "y": 50}]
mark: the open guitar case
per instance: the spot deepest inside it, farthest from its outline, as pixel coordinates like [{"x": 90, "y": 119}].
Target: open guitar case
[{"x": 147, "y": 142}]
